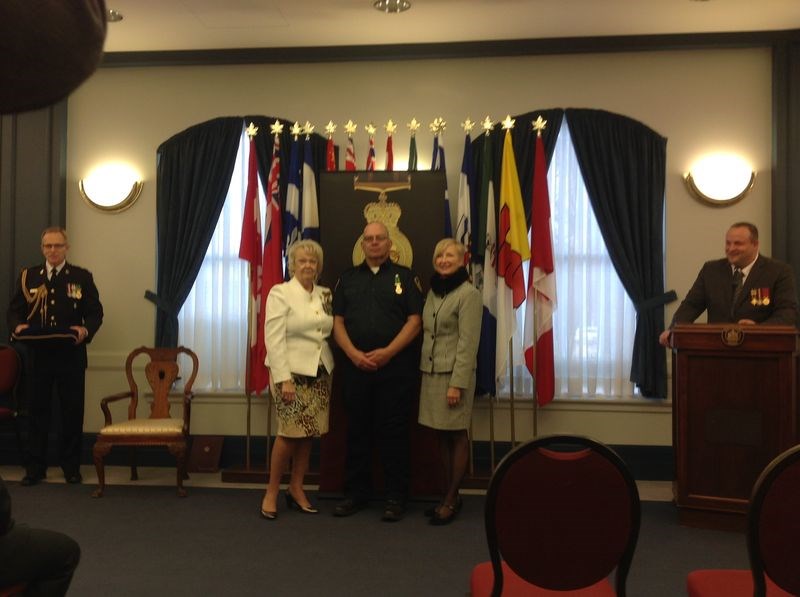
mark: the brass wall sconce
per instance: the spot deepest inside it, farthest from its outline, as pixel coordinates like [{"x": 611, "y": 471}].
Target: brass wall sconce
[
  {"x": 720, "y": 179},
  {"x": 111, "y": 187}
]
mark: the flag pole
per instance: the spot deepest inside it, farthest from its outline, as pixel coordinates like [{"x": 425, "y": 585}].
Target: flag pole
[
  {"x": 511, "y": 392},
  {"x": 269, "y": 431},
  {"x": 491, "y": 430},
  {"x": 247, "y": 438}
]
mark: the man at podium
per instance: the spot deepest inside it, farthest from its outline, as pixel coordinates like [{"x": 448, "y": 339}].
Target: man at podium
[{"x": 745, "y": 287}]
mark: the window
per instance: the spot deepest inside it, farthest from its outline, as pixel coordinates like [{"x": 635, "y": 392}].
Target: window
[{"x": 213, "y": 320}]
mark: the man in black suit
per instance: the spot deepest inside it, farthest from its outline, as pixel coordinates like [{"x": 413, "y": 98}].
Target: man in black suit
[
  {"x": 744, "y": 288},
  {"x": 56, "y": 310},
  {"x": 44, "y": 560}
]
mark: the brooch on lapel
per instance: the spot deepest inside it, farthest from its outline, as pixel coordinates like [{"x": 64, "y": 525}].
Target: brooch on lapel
[
  {"x": 759, "y": 297},
  {"x": 327, "y": 302}
]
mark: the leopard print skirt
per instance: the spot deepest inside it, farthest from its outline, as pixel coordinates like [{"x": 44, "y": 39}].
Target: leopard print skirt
[{"x": 307, "y": 414}]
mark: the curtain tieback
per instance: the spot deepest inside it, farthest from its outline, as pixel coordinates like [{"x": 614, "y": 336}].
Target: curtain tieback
[
  {"x": 162, "y": 304},
  {"x": 656, "y": 301}
]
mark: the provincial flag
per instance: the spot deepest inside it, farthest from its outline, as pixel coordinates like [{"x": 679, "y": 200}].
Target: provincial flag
[
  {"x": 291, "y": 217},
  {"x": 330, "y": 156},
  {"x": 486, "y": 382},
  {"x": 272, "y": 270},
  {"x": 250, "y": 250},
  {"x": 541, "y": 301},
  {"x": 371, "y": 155},
  {"x": 350, "y": 155},
  {"x": 389, "y": 154},
  {"x": 412, "y": 154},
  {"x": 512, "y": 250},
  {"x": 438, "y": 163},
  {"x": 310, "y": 206},
  {"x": 466, "y": 190}
]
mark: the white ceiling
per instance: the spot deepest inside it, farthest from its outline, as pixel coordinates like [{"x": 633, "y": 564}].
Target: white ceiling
[{"x": 215, "y": 24}]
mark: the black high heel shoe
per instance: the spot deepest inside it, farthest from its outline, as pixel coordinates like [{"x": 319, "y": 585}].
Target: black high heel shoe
[
  {"x": 293, "y": 503},
  {"x": 267, "y": 515}
]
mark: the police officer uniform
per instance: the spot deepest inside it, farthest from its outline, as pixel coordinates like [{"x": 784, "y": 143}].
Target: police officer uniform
[
  {"x": 375, "y": 307},
  {"x": 50, "y": 305}
]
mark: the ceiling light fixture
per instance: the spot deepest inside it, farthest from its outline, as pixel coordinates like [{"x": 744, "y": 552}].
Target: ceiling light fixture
[
  {"x": 392, "y": 5},
  {"x": 113, "y": 16}
]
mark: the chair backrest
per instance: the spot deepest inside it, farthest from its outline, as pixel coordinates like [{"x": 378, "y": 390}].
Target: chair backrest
[
  {"x": 10, "y": 369},
  {"x": 774, "y": 524},
  {"x": 161, "y": 372},
  {"x": 562, "y": 512}
]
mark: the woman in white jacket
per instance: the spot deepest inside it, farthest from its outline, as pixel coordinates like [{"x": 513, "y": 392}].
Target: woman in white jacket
[{"x": 299, "y": 319}]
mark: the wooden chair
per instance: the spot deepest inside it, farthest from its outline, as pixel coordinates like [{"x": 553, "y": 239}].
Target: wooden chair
[
  {"x": 10, "y": 371},
  {"x": 562, "y": 514},
  {"x": 157, "y": 429},
  {"x": 773, "y": 528}
]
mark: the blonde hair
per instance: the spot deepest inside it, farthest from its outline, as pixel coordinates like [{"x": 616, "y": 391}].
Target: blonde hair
[
  {"x": 309, "y": 246},
  {"x": 443, "y": 244}
]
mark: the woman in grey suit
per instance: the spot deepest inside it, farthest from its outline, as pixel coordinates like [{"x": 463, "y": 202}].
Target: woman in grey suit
[{"x": 451, "y": 323}]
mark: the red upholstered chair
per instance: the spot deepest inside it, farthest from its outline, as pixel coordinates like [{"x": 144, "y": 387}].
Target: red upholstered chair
[
  {"x": 10, "y": 370},
  {"x": 156, "y": 429},
  {"x": 773, "y": 532},
  {"x": 562, "y": 514}
]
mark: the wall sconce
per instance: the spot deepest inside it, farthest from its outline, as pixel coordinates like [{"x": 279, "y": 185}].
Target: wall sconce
[
  {"x": 111, "y": 187},
  {"x": 720, "y": 179}
]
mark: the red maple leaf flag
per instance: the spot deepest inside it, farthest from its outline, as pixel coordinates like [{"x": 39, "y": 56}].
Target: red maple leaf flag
[
  {"x": 250, "y": 249},
  {"x": 538, "y": 335}
]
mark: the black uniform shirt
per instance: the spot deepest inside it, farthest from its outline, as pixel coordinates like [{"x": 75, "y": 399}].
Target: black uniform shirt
[{"x": 376, "y": 306}]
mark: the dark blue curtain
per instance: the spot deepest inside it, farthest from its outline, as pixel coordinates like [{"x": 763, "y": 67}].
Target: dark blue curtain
[
  {"x": 194, "y": 170},
  {"x": 623, "y": 164}
]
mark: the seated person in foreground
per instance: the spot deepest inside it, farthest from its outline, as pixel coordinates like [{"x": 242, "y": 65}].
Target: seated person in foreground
[{"x": 745, "y": 287}]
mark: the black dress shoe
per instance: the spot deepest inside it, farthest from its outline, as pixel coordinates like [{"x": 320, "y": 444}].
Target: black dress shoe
[
  {"x": 348, "y": 507},
  {"x": 74, "y": 479},
  {"x": 393, "y": 511},
  {"x": 29, "y": 480}
]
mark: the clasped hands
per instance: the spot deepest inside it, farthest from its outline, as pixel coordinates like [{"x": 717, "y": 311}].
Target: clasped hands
[{"x": 372, "y": 360}]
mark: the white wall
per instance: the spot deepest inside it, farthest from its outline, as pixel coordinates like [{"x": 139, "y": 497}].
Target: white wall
[{"x": 699, "y": 100}]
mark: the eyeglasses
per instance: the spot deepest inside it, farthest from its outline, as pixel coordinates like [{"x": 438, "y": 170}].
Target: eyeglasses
[
  {"x": 53, "y": 246},
  {"x": 377, "y": 237}
]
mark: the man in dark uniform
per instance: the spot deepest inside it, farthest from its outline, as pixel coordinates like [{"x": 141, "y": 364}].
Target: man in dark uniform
[
  {"x": 745, "y": 287},
  {"x": 44, "y": 560},
  {"x": 377, "y": 310},
  {"x": 56, "y": 310}
]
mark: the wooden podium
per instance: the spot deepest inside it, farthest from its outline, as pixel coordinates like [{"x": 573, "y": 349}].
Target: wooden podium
[{"x": 734, "y": 391}]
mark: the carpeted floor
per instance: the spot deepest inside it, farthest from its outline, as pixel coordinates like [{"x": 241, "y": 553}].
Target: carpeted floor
[{"x": 145, "y": 541}]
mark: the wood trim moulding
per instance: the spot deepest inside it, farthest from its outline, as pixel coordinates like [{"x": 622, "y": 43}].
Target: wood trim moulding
[{"x": 453, "y": 50}]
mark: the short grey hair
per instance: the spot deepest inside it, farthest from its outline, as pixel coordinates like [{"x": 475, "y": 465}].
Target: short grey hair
[{"x": 309, "y": 246}]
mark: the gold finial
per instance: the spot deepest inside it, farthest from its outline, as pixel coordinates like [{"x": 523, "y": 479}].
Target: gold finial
[
  {"x": 370, "y": 128},
  {"x": 487, "y": 125},
  {"x": 297, "y": 130},
  {"x": 508, "y": 123},
  {"x": 438, "y": 125},
  {"x": 539, "y": 125},
  {"x": 468, "y": 125},
  {"x": 308, "y": 128},
  {"x": 390, "y": 127},
  {"x": 251, "y": 130},
  {"x": 350, "y": 127},
  {"x": 330, "y": 128},
  {"x": 276, "y": 128},
  {"x": 413, "y": 126}
]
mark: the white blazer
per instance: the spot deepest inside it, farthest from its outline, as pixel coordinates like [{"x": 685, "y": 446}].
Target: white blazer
[{"x": 296, "y": 330}]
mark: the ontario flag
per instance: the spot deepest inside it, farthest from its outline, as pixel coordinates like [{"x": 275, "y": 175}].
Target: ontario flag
[
  {"x": 330, "y": 156},
  {"x": 538, "y": 335},
  {"x": 250, "y": 249},
  {"x": 272, "y": 270},
  {"x": 512, "y": 251}
]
